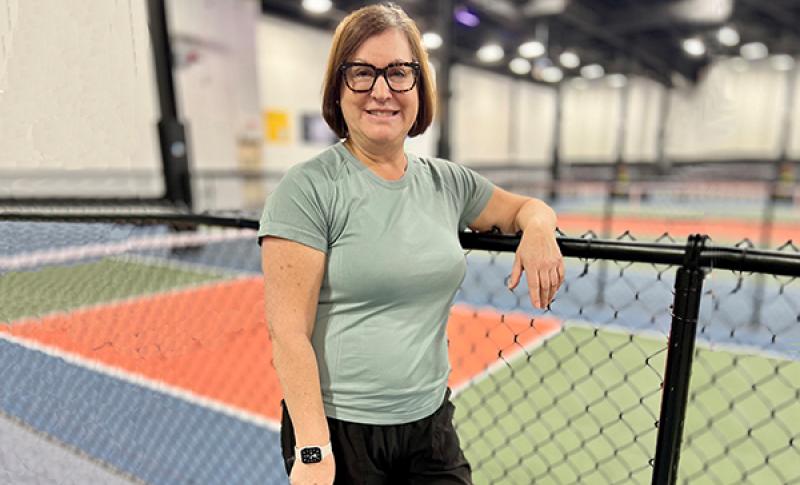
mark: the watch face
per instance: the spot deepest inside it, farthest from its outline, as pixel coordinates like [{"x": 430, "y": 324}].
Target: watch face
[{"x": 311, "y": 454}]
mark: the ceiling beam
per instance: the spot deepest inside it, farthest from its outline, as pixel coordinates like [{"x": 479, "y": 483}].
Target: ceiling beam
[
  {"x": 777, "y": 12},
  {"x": 583, "y": 19}
]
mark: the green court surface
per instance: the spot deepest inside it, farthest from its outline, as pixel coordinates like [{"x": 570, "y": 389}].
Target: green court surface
[
  {"x": 583, "y": 409},
  {"x": 60, "y": 288}
]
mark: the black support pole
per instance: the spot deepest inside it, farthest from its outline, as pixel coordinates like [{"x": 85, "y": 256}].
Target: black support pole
[
  {"x": 675, "y": 395},
  {"x": 171, "y": 132},
  {"x": 445, "y": 57}
]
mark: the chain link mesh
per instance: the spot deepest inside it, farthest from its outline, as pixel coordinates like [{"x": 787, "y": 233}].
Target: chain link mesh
[{"x": 142, "y": 350}]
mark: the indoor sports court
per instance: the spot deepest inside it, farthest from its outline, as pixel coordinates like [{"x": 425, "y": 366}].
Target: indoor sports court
[{"x": 139, "y": 141}]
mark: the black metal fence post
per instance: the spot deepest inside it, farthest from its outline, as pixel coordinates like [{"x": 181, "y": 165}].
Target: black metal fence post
[
  {"x": 685, "y": 310},
  {"x": 171, "y": 131}
]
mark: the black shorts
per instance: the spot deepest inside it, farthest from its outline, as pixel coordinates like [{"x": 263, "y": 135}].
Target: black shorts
[{"x": 421, "y": 452}]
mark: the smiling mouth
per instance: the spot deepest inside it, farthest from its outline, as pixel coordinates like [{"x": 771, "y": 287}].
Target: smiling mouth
[{"x": 382, "y": 112}]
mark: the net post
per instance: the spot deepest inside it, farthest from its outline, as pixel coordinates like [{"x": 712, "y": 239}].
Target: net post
[{"x": 674, "y": 398}]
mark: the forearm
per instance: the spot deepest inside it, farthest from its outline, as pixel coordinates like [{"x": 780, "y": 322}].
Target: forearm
[
  {"x": 535, "y": 214},
  {"x": 296, "y": 365}
]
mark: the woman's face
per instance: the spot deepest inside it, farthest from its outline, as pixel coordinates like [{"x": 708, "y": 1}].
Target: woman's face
[{"x": 381, "y": 116}]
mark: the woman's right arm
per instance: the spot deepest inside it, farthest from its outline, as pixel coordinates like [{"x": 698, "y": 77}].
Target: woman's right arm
[{"x": 292, "y": 278}]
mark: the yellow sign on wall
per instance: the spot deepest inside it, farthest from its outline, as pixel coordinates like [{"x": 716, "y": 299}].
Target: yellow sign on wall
[{"x": 276, "y": 126}]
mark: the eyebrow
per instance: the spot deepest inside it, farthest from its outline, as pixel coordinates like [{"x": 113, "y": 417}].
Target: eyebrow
[{"x": 395, "y": 61}]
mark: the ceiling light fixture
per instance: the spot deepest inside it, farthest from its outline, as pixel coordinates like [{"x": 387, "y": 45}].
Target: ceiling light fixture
[
  {"x": 465, "y": 17},
  {"x": 728, "y": 36},
  {"x": 592, "y": 71},
  {"x": 694, "y": 47},
  {"x": 520, "y": 66},
  {"x": 317, "y": 6},
  {"x": 782, "y": 62},
  {"x": 754, "y": 51},
  {"x": 552, "y": 74},
  {"x": 569, "y": 59},
  {"x": 617, "y": 80},
  {"x": 490, "y": 53},
  {"x": 431, "y": 40},
  {"x": 531, "y": 49}
]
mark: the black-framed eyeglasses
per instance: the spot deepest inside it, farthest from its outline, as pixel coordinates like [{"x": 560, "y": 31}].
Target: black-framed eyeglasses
[{"x": 360, "y": 77}]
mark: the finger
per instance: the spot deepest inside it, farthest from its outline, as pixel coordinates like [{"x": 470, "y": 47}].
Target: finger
[
  {"x": 533, "y": 289},
  {"x": 516, "y": 273},
  {"x": 561, "y": 272},
  {"x": 555, "y": 283},
  {"x": 544, "y": 287}
]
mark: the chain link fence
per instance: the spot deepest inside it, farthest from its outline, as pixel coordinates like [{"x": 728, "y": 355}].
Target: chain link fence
[{"x": 137, "y": 344}]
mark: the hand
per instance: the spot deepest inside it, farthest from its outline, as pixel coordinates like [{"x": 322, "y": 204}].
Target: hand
[
  {"x": 321, "y": 473},
  {"x": 539, "y": 255}
]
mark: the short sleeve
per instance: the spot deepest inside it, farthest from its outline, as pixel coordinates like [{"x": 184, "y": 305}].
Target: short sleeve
[
  {"x": 473, "y": 192},
  {"x": 295, "y": 211}
]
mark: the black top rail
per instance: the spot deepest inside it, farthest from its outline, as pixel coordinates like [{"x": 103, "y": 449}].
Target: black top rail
[{"x": 743, "y": 259}]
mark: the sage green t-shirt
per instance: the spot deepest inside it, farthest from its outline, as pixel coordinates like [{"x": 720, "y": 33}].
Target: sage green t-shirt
[{"x": 393, "y": 266}]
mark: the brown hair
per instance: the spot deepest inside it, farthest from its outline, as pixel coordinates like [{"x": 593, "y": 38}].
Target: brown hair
[{"x": 353, "y": 31}]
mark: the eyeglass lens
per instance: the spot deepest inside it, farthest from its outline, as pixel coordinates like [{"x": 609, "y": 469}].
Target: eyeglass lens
[{"x": 362, "y": 78}]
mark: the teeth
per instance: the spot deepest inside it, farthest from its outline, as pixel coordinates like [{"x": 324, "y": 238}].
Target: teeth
[{"x": 381, "y": 113}]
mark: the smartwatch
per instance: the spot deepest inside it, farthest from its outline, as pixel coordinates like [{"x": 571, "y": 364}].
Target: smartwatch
[{"x": 313, "y": 454}]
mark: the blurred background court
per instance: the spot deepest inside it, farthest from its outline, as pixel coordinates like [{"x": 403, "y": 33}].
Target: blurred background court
[{"x": 132, "y": 342}]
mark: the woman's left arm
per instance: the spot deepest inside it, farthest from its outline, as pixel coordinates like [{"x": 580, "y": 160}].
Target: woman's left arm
[{"x": 538, "y": 253}]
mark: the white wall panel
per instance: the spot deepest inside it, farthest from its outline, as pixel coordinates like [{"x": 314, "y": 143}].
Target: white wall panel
[
  {"x": 794, "y": 140},
  {"x": 535, "y": 109},
  {"x": 590, "y": 122},
  {"x": 731, "y": 113},
  {"x": 643, "y": 120},
  {"x": 77, "y": 89},
  {"x": 480, "y": 116}
]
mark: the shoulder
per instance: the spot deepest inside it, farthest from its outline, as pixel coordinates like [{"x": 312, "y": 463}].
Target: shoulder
[
  {"x": 448, "y": 172},
  {"x": 326, "y": 167}
]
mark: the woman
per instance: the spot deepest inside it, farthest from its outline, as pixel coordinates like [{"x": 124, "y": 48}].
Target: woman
[{"x": 362, "y": 261}]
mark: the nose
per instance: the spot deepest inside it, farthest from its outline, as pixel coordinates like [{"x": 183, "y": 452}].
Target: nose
[{"x": 381, "y": 89}]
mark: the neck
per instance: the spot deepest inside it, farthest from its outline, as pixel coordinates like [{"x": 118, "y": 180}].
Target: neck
[{"x": 383, "y": 158}]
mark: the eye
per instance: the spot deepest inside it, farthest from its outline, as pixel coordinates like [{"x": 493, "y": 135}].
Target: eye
[
  {"x": 363, "y": 72},
  {"x": 399, "y": 72}
]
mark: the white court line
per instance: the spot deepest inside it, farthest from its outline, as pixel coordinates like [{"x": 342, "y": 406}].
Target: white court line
[
  {"x": 147, "y": 383},
  {"x": 134, "y": 244},
  {"x": 500, "y": 364}
]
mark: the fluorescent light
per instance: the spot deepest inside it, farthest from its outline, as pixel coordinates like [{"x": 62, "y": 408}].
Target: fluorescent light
[
  {"x": 520, "y": 66},
  {"x": 431, "y": 40},
  {"x": 728, "y": 36},
  {"x": 592, "y": 71},
  {"x": 491, "y": 53},
  {"x": 782, "y": 62},
  {"x": 700, "y": 11},
  {"x": 617, "y": 80},
  {"x": 531, "y": 49},
  {"x": 754, "y": 51},
  {"x": 317, "y": 6},
  {"x": 694, "y": 47},
  {"x": 465, "y": 17},
  {"x": 569, "y": 59},
  {"x": 552, "y": 74}
]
